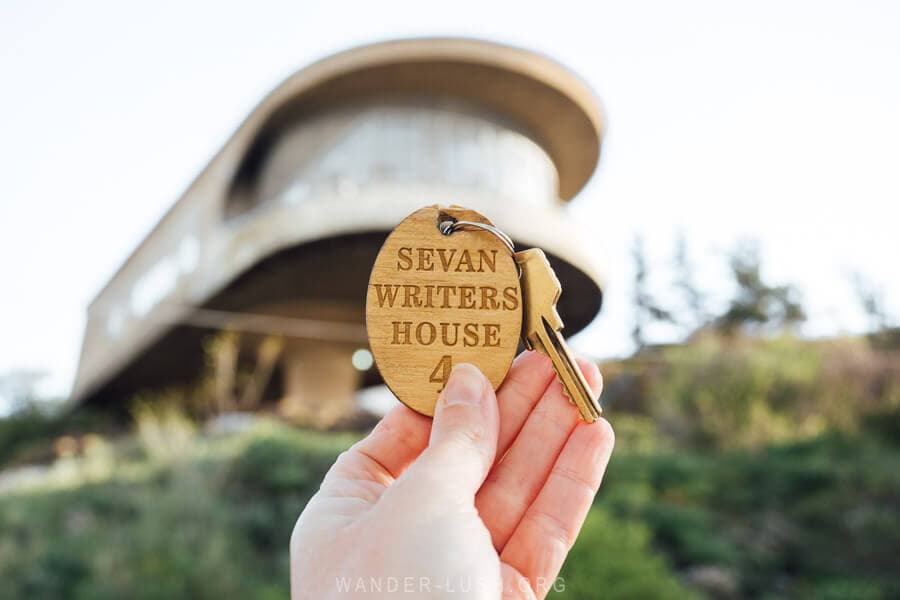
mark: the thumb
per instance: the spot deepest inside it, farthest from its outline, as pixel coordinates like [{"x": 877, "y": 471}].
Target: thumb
[{"x": 463, "y": 438}]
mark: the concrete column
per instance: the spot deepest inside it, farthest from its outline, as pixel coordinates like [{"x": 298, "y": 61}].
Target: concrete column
[{"x": 320, "y": 382}]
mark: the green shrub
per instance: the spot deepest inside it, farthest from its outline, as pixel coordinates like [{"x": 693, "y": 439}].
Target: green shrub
[
  {"x": 210, "y": 521},
  {"x": 740, "y": 392},
  {"x": 27, "y": 437},
  {"x": 789, "y": 521},
  {"x": 613, "y": 559},
  {"x": 720, "y": 486}
]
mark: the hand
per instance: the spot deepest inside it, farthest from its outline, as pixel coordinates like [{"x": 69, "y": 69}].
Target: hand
[{"x": 483, "y": 501}]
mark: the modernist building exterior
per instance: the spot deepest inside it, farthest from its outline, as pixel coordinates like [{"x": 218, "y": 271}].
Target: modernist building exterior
[{"x": 279, "y": 232}]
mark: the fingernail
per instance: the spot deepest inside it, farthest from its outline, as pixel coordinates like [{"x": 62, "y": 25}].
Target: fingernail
[{"x": 466, "y": 386}]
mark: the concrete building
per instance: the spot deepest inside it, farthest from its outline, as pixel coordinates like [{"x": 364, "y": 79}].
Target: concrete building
[{"x": 278, "y": 233}]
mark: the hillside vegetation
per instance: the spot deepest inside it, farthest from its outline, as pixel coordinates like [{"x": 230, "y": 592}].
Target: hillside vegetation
[{"x": 745, "y": 468}]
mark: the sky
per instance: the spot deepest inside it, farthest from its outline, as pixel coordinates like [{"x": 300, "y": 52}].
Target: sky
[{"x": 772, "y": 120}]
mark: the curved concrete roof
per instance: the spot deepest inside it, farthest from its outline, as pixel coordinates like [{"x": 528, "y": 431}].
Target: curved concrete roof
[{"x": 516, "y": 84}]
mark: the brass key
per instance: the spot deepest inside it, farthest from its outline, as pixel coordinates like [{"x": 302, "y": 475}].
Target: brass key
[{"x": 541, "y": 327}]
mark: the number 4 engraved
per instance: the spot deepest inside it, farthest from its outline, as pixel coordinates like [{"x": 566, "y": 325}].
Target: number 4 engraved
[{"x": 442, "y": 371}]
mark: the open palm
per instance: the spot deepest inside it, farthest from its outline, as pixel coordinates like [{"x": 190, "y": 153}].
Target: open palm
[{"x": 484, "y": 501}]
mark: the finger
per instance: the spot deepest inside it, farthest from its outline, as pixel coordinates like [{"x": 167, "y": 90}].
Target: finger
[
  {"x": 463, "y": 438},
  {"x": 528, "y": 378},
  {"x": 546, "y": 533},
  {"x": 515, "y": 585},
  {"x": 394, "y": 443},
  {"x": 515, "y": 482}
]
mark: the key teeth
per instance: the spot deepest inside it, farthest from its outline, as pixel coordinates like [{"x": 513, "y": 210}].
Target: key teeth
[
  {"x": 572, "y": 401},
  {"x": 565, "y": 391}
]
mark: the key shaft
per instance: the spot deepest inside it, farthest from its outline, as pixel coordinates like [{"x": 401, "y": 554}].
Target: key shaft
[{"x": 542, "y": 325}]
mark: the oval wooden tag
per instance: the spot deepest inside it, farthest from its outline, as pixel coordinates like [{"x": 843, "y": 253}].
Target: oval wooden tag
[{"x": 436, "y": 300}]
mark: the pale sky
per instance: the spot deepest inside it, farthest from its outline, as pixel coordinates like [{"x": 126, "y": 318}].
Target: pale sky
[{"x": 778, "y": 120}]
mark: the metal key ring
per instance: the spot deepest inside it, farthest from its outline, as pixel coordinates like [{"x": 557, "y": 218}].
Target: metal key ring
[{"x": 450, "y": 226}]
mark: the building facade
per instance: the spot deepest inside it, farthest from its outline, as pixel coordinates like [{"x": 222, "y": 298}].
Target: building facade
[{"x": 277, "y": 235}]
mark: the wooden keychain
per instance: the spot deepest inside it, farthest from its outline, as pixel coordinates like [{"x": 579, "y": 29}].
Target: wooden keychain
[
  {"x": 435, "y": 300},
  {"x": 449, "y": 287}
]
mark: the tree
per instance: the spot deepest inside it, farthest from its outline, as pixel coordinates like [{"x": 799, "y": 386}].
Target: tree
[
  {"x": 19, "y": 390},
  {"x": 646, "y": 309},
  {"x": 685, "y": 282},
  {"x": 757, "y": 305},
  {"x": 871, "y": 298}
]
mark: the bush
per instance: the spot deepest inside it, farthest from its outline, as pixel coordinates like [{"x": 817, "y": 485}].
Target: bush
[
  {"x": 790, "y": 521},
  {"x": 743, "y": 469},
  {"x": 613, "y": 559},
  {"x": 212, "y": 521},
  {"x": 27, "y": 436},
  {"x": 738, "y": 392}
]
